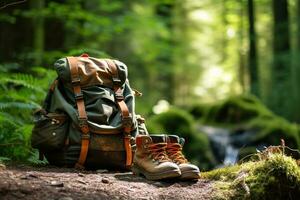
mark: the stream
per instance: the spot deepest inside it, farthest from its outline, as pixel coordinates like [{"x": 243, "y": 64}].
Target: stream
[{"x": 225, "y": 143}]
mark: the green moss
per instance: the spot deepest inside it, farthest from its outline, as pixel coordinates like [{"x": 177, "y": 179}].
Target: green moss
[
  {"x": 272, "y": 129},
  {"x": 247, "y": 113},
  {"x": 275, "y": 177},
  {"x": 235, "y": 109},
  {"x": 179, "y": 122},
  {"x": 222, "y": 174},
  {"x": 199, "y": 111},
  {"x": 174, "y": 121}
]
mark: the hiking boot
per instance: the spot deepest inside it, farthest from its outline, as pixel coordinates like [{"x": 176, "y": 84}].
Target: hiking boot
[
  {"x": 174, "y": 152},
  {"x": 151, "y": 160}
]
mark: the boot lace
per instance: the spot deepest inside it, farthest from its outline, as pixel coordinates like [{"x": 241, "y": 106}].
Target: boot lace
[
  {"x": 175, "y": 153},
  {"x": 158, "y": 152}
]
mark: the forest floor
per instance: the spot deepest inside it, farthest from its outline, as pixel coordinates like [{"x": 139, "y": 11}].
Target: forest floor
[{"x": 27, "y": 182}]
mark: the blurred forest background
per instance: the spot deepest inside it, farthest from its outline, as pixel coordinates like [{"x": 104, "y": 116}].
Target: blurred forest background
[{"x": 224, "y": 74}]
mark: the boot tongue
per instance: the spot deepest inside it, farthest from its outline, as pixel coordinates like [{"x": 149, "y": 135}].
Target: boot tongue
[
  {"x": 173, "y": 139},
  {"x": 158, "y": 138}
]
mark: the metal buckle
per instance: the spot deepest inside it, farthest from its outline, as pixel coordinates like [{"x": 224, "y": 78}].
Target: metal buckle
[
  {"x": 82, "y": 122},
  {"x": 116, "y": 81},
  {"x": 119, "y": 96},
  {"x": 85, "y": 136},
  {"x": 75, "y": 81},
  {"x": 140, "y": 119},
  {"x": 132, "y": 141},
  {"x": 127, "y": 121},
  {"x": 78, "y": 96}
]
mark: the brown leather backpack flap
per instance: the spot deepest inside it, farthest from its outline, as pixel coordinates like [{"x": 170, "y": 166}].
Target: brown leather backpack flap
[{"x": 94, "y": 71}]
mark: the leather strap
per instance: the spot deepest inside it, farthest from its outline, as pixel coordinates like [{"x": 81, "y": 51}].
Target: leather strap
[
  {"x": 46, "y": 103},
  {"x": 53, "y": 85},
  {"x": 126, "y": 117},
  {"x": 82, "y": 116}
]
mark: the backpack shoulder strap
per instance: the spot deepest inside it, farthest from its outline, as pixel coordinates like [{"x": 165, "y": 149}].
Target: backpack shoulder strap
[
  {"x": 126, "y": 116},
  {"x": 82, "y": 116},
  {"x": 47, "y": 101}
]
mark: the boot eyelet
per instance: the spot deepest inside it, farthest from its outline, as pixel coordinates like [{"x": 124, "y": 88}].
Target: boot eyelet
[{"x": 146, "y": 141}]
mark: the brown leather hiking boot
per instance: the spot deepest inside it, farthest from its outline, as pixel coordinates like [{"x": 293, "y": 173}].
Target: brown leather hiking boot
[
  {"x": 151, "y": 160},
  {"x": 174, "y": 152}
]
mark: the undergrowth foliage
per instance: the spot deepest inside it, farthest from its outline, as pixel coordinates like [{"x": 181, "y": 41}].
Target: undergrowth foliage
[{"x": 20, "y": 95}]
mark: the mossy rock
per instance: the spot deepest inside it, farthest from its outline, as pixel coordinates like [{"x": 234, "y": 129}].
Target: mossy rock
[
  {"x": 235, "y": 109},
  {"x": 273, "y": 129},
  {"x": 265, "y": 132},
  {"x": 248, "y": 113},
  {"x": 275, "y": 177},
  {"x": 179, "y": 122},
  {"x": 174, "y": 121},
  {"x": 199, "y": 111}
]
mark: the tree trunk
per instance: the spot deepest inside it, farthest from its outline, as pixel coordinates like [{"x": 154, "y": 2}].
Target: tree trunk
[
  {"x": 298, "y": 27},
  {"x": 253, "y": 67},
  {"x": 224, "y": 30},
  {"x": 243, "y": 72},
  {"x": 296, "y": 77},
  {"x": 280, "y": 98},
  {"x": 38, "y": 31}
]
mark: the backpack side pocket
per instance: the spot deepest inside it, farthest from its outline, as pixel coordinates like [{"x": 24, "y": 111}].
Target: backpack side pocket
[{"x": 50, "y": 131}]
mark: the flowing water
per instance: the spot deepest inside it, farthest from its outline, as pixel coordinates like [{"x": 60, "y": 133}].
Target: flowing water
[{"x": 226, "y": 144}]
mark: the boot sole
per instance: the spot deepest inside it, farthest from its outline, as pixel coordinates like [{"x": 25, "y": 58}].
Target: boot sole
[
  {"x": 156, "y": 176},
  {"x": 190, "y": 175}
]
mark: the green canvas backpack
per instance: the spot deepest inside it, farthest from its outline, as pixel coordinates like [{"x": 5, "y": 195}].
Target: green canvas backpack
[{"x": 88, "y": 118}]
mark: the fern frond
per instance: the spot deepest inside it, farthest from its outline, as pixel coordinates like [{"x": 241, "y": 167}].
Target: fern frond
[
  {"x": 25, "y": 80},
  {"x": 18, "y": 105},
  {"x": 7, "y": 67},
  {"x": 23, "y": 95},
  {"x": 20, "y": 95},
  {"x": 4, "y": 159},
  {"x": 7, "y": 118},
  {"x": 26, "y": 132},
  {"x": 34, "y": 159}
]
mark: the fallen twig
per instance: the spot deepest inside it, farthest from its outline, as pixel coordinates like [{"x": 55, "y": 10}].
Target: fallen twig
[
  {"x": 11, "y": 4},
  {"x": 11, "y": 144}
]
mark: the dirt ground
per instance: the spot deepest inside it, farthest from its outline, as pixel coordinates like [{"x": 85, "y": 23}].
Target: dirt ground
[{"x": 27, "y": 182}]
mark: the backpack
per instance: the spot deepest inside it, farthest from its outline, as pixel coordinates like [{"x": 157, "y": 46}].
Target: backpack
[{"x": 88, "y": 118}]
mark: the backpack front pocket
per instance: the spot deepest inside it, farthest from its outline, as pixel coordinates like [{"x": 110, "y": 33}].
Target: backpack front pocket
[{"x": 50, "y": 131}]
